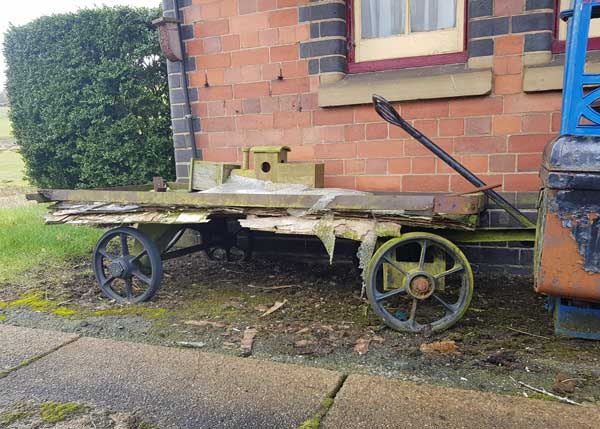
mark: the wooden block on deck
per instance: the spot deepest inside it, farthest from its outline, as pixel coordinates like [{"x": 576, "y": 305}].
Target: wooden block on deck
[
  {"x": 302, "y": 173},
  {"x": 205, "y": 175}
]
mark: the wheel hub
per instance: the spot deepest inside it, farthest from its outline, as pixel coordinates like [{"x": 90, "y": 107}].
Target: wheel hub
[
  {"x": 421, "y": 286},
  {"x": 119, "y": 268}
]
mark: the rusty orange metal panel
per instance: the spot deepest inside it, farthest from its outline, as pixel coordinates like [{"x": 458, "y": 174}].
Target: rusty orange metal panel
[{"x": 562, "y": 271}]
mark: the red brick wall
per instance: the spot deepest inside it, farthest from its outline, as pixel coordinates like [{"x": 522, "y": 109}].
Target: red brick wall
[{"x": 241, "y": 49}]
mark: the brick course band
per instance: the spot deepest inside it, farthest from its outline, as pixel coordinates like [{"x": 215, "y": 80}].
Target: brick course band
[
  {"x": 179, "y": 123},
  {"x": 539, "y": 4},
  {"x": 318, "y": 12},
  {"x": 327, "y": 49},
  {"x": 480, "y": 8}
]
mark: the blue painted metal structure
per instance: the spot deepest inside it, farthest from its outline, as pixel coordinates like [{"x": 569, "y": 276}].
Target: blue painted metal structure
[
  {"x": 571, "y": 161},
  {"x": 572, "y": 319},
  {"x": 577, "y": 105}
]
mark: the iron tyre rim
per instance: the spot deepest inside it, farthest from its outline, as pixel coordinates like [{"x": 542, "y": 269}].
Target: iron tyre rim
[
  {"x": 106, "y": 279},
  {"x": 459, "y": 308}
]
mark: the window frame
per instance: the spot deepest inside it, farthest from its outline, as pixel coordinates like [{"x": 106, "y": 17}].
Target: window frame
[
  {"x": 560, "y": 46},
  {"x": 400, "y": 63}
]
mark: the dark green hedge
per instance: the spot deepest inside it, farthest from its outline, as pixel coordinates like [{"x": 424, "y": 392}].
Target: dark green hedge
[{"x": 89, "y": 98}]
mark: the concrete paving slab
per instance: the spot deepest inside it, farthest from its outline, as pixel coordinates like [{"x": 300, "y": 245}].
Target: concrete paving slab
[
  {"x": 375, "y": 402},
  {"x": 18, "y": 345},
  {"x": 178, "y": 388}
]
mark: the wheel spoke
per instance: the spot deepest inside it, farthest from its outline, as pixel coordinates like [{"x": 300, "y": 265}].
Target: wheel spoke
[
  {"x": 422, "y": 257},
  {"x": 413, "y": 312},
  {"x": 450, "y": 308},
  {"x": 454, "y": 269},
  {"x": 387, "y": 295},
  {"x": 124, "y": 246},
  {"x": 107, "y": 281},
  {"x": 142, "y": 277},
  {"x": 395, "y": 265},
  {"x": 129, "y": 288},
  {"x": 140, "y": 256},
  {"x": 107, "y": 255}
]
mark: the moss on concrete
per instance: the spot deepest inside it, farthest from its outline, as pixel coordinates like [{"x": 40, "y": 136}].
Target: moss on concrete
[
  {"x": 9, "y": 417},
  {"x": 64, "y": 312},
  {"x": 52, "y": 412},
  {"x": 133, "y": 310},
  {"x": 36, "y": 301},
  {"x": 315, "y": 421},
  {"x": 225, "y": 304}
]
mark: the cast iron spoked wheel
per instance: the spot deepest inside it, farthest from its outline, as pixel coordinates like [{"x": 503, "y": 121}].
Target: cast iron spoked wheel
[
  {"x": 127, "y": 265},
  {"x": 419, "y": 283}
]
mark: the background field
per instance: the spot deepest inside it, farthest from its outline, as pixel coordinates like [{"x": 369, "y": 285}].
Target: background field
[
  {"x": 4, "y": 123},
  {"x": 11, "y": 168},
  {"x": 25, "y": 242}
]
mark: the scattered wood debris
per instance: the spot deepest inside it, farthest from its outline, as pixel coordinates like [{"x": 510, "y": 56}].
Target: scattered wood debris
[
  {"x": 362, "y": 346},
  {"x": 191, "y": 344},
  {"x": 527, "y": 333},
  {"x": 248, "y": 341},
  {"x": 545, "y": 392},
  {"x": 274, "y": 308},
  {"x": 204, "y": 323},
  {"x": 564, "y": 384},
  {"x": 378, "y": 339},
  {"x": 268, "y": 288},
  {"x": 261, "y": 308},
  {"x": 442, "y": 347},
  {"x": 303, "y": 344},
  {"x": 303, "y": 331},
  {"x": 505, "y": 358}
]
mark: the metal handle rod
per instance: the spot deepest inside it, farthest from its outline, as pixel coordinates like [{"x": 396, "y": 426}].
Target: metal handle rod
[{"x": 389, "y": 114}]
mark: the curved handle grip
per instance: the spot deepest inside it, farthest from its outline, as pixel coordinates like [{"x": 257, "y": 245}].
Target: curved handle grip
[{"x": 386, "y": 110}]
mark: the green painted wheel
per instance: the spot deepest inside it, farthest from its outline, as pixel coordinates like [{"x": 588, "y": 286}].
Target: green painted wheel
[{"x": 419, "y": 282}]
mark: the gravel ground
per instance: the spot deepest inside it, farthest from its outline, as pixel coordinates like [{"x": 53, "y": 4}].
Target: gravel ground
[{"x": 321, "y": 323}]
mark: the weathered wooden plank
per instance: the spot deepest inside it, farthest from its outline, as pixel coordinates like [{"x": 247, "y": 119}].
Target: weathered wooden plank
[
  {"x": 163, "y": 218},
  {"x": 179, "y": 199},
  {"x": 93, "y": 206},
  {"x": 361, "y": 203}
]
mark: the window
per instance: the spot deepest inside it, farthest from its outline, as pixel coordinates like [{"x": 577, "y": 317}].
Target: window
[
  {"x": 392, "y": 29},
  {"x": 562, "y": 26}
]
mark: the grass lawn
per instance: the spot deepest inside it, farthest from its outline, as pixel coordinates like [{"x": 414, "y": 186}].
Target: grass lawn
[
  {"x": 11, "y": 168},
  {"x": 5, "y": 130},
  {"x": 25, "y": 241}
]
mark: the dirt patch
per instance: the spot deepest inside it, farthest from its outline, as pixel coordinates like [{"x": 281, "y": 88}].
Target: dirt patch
[{"x": 324, "y": 322}]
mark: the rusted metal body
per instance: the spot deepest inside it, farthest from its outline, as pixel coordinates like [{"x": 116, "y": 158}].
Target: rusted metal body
[
  {"x": 569, "y": 259},
  {"x": 569, "y": 227},
  {"x": 568, "y": 245}
]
